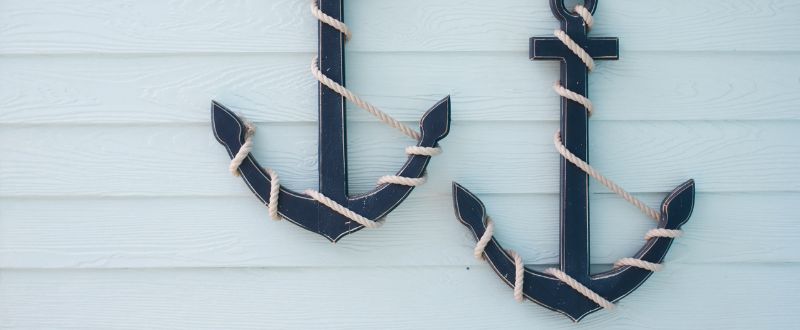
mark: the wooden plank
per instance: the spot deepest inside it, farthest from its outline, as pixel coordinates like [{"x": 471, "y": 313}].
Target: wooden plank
[
  {"x": 101, "y": 89},
  {"x": 237, "y": 232},
  {"x": 517, "y": 157},
  {"x": 215, "y": 26},
  {"x": 729, "y": 296}
]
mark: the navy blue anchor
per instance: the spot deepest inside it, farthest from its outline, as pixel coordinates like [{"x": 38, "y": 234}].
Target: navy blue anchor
[
  {"x": 300, "y": 208},
  {"x": 545, "y": 288}
]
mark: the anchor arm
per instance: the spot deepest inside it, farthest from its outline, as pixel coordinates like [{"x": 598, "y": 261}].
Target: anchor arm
[
  {"x": 434, "y": 126},
  {"x": 539, "y": 287},
  {"x": 548, "y": 291},
  {"x": 229, "y": 130}
]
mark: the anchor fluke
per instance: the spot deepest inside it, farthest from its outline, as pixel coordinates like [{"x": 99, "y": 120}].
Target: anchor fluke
[
  {"x": 222, "y": 117},
  {"x": 435, "y": 124},
  {"x": 469, "y": 209},
  {"x": 677, "y": 206}
]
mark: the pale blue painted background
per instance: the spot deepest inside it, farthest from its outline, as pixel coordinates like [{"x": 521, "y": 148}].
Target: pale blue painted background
[{"x": 117, "y": 211}]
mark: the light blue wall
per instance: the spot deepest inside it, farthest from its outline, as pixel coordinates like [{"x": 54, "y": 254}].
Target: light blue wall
[{"x": 117, "y": 210}]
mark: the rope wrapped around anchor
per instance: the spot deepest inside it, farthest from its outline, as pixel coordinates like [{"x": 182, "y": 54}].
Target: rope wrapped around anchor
[
  {"x": 247, "y": 147},
  {"x": 562, "y": 150}
]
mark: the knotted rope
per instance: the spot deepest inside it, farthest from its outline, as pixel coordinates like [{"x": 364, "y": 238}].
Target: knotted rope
[
  {"x": 247, "y": 147},
  {"x": 569, "y": 156}
]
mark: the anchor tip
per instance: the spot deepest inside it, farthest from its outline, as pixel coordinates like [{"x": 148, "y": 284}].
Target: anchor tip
[
  {"x": 435, "y": 124},
  {"x": 678, "y": 206},
  {"x": 469, "y": 209},
  {"x": 228, "y": 128}
]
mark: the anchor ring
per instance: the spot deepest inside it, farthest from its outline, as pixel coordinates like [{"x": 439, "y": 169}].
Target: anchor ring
[{"x": 561, "y": 11}]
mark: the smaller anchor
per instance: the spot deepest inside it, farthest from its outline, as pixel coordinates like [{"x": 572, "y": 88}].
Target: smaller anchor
[
  {"x": 331, "y": 211},
  {"x": 570, "y": 288}
]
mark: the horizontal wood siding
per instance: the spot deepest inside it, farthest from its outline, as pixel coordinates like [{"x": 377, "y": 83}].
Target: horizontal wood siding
[{"x": 117, "y": 210}]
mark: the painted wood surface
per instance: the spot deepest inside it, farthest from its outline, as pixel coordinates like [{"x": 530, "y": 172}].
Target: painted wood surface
[{"x": 117, "y": 210}]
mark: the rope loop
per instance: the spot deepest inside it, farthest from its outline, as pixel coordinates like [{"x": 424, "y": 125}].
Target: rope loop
[
  {"x": 274, "y": 193},
  {"x": 639, "y": 263},
  {"x": 519, "y": 275},
  {"x": 244, "y": 150},
  {"x": 570, "y": 95},
  {"x": 588, "y": 19},
  {"x": 334, "y": 23},
  {"x": 480, "y": 247},
  {"x": 402, "y": 180},
  {"x": 241, "y": 155},
  {"x": 575, "y": 48},
  {"x": 661, "y": 232},
  {"x": 423, "y": 151}
]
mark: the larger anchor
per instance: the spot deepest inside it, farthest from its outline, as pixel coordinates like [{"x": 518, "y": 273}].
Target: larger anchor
[
  {"x": 331, "y": 211},
  {"x": 571, "y": 289}
]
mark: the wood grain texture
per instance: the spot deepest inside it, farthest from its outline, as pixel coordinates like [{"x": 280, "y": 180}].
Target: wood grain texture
[
  {"x": 179, "y": 26},
  {"x": 188, "y": 161},
  {"x": 117, "y": 210},
  {"x": 422, "y": 232},
  {"x": 101, "y": 89},
  {"x": 380, "y": 298}
]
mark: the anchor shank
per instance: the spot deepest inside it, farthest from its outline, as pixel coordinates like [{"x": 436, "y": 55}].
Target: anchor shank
[
  {"x": 574, "y": 249},
  {"x": 332, "y": 131},
  {"x": 574, "y": 184}
]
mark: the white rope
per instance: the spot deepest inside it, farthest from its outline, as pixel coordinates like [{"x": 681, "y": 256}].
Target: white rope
[
  {"x": 423, "y": 151},
  {"x": 274, "y": 181},
  {"x": 519, "y": 266},
  {"x": 586, "y": 15},
  {"x": 382, "y": 116},
  {"x": 480, "y": 247},
  {"x": 245, "y": 150},
  {"x": 568, "y": 94},
  {"x": 575, "y": 48},
  {"x": 402, "y": 180},
  {"x": 339, "y": 208},
  {"x": 375, "y": 111},
  {"x": 571, "y": 282},
  {"x": 335, "y": 23},
  {"x": 633, "y": 262},
  {"x": 661, "y": 232},
  {"x": 274, "y": 192},
  {"x": 602, "y": 179},
  {"x": 519, "y": 275}
]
